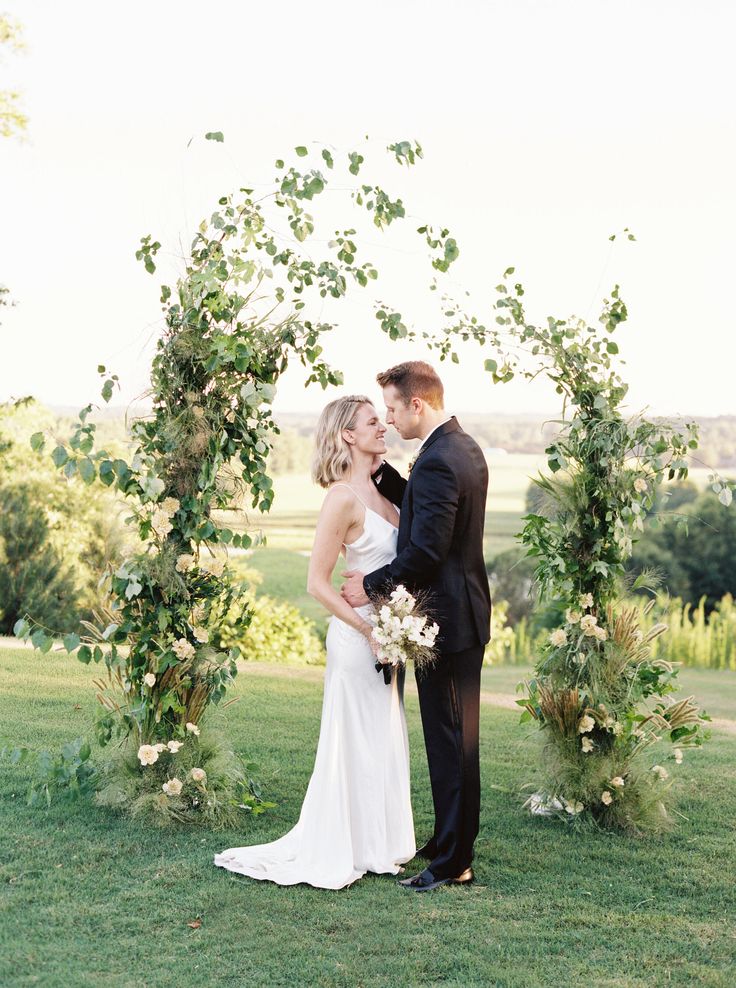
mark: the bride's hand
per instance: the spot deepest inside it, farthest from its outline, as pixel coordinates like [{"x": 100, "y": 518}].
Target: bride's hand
[{"x": 367, "y": 632}]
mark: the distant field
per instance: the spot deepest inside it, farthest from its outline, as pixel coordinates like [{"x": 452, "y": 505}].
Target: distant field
[
  {"x": 290, "y": 523},
  {"x": 289, "y": 528}
]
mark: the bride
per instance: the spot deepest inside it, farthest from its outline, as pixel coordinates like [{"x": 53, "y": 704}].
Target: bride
[{"x": 356, "y": 816}]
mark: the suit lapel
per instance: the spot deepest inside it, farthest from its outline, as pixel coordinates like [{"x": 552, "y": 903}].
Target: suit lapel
[
  {"x": 405, "y": 519},
  {"x": 443, "y": 430}
]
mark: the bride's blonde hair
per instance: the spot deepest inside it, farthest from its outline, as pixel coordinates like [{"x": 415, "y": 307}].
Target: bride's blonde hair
[{"x": 331, "y": 458}]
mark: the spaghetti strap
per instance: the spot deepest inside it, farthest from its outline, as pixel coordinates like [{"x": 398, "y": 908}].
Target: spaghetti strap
[{"x": 341, "y": 484}]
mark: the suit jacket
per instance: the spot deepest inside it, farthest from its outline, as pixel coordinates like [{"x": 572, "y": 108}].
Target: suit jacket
[{"x": 440, "y": 542}]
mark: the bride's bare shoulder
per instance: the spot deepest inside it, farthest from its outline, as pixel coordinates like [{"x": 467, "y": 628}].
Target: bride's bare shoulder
[{"x": 339, "y": 499}]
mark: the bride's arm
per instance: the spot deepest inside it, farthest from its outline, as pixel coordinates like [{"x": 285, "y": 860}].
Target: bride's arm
[{"x": 337, "y": 517}]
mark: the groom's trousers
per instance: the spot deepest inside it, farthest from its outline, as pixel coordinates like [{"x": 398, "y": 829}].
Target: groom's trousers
[{"x": 449, "y": 700}]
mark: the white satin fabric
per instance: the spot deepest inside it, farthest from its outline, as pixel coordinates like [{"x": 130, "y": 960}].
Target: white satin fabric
[{"x": 356, "y": 816}]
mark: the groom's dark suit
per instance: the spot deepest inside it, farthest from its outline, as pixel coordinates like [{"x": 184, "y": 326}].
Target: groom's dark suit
[{"x": 440, "y": 551}]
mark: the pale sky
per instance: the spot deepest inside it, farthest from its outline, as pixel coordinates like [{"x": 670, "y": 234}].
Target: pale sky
[{"x": 546, "y": 126}]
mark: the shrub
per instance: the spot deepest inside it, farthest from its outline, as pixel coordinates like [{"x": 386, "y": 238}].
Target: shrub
[
  {"x": 278, "y": 632},
  {"x": 56, "y": 535},
  {"x": 33, "y": 577},
  {"x": 511, "y": 575},
  {"x": 697, "y": 560}
]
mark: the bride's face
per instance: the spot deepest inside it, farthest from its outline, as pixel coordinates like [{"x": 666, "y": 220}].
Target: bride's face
[{"x": 367, "y": 434}]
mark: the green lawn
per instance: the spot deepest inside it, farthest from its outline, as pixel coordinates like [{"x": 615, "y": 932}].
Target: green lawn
[{"x": 88, "y": 898}]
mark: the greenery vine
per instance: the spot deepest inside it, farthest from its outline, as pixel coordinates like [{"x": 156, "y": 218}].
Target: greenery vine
[{"x": 238, "y": 314}]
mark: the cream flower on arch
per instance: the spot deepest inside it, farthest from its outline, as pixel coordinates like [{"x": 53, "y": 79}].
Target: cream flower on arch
[
  {"x": 185, "y": 562},
  {"x": 183, "y": 649},
  {"x": 147, "y": 754}
]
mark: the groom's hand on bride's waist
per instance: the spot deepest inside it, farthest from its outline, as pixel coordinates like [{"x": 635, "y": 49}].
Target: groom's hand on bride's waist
[{"x": 352, "y": 589}]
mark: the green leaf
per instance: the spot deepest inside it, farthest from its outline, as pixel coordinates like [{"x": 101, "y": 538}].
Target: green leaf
[
  {"x": 611, "y": 347},
  {"x": 21, "y": 628},
  {"x": 85, "y": 654},
  {"x": 17, "y": 755},
  {"x": 41, "y": 641},
  {"x": 59, "y": 456},
  {"x": 71, "y": 641},
  {"x": 356, "y": 160},
  {"x": 452, "y": 251},
  {"x": 87, "y": 470},
  {"x": 215, "y": 135},
  {"x": 491, "y": 366},
  {"x": 107, "y": 473},
  {"x": 37, "y": 441},
  {"x": 206, "y": 530},
  {"x": 301, "y": 151}
]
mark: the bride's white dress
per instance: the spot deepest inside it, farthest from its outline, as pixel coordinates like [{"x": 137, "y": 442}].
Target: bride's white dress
[{"x": 356, "y": 816}]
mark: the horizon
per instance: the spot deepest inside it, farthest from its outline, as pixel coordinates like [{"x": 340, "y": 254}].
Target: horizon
[{"x": 116, "y": 410}]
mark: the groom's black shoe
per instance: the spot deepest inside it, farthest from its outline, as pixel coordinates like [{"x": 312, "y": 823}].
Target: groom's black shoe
[
  {"x": 425, "y": 881},
  {"x": 428, "y": 850}
]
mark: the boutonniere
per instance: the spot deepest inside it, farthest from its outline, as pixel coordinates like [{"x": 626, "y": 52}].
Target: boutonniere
[{"x": 414, "y": 459}]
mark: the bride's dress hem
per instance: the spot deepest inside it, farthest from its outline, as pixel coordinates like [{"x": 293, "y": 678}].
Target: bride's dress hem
[
  {"x": 231, "y": 866},
  {"x": 356, "y": 816}
]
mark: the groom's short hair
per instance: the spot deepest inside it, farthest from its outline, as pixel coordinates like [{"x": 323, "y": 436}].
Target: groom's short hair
[{"x": 415, "y": 379}]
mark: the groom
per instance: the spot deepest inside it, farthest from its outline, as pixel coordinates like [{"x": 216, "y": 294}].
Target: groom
[{"x": 440, "y": 551}]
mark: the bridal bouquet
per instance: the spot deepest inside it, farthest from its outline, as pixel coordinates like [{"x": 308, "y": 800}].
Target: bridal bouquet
[{"x": 402, "y": 633}]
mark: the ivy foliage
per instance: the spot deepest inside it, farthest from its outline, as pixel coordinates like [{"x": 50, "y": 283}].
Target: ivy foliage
[
  {"x": 247, "y": 303},
  {"x": 601, "y": 698}
]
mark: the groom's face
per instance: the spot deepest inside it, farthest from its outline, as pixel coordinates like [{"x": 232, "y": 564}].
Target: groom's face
[{"x": 402, "y": 417}]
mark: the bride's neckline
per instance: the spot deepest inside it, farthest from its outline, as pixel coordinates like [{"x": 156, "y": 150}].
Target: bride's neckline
[
  {"x": 373, "y": 511},
  {"x": 379, "y": 515}
]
